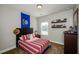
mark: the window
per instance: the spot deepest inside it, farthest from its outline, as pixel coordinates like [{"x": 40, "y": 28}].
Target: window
[{"x": 44, "y": 28}]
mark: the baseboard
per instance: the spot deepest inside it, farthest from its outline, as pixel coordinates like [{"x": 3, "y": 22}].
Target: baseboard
[
  {"x": 5, "y": 50},
  {"x": 57, "y": 42}
]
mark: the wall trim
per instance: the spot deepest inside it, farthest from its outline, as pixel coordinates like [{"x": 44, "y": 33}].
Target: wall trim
[
  {"x": 7, "y": 49},
  {"x": 57, "y": 42}
]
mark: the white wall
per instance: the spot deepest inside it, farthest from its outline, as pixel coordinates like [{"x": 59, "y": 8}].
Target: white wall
[
  {"x": 9, "y": 20},
  {"x": 33, "y": 23},
  {"x": 56, "y": 34}
]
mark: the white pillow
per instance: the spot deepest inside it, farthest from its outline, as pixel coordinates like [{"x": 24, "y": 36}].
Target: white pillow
[
  {"x": 31, "y": 36},
  {"x": 21, "y": 38}
]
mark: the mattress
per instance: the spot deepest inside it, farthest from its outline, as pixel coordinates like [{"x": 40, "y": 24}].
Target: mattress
[{"x": 34, "y": 46}]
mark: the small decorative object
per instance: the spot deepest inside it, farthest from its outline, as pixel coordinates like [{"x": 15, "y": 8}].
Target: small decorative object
[
  {"x": 64, "y": 26},
  {"x": 65, "y": 19},
  {"x": 58, "y": 20},
  {"x": 71, "y": 29},
  {"x": 35, "y": 32},
  {"x": 16, "y": 31}
]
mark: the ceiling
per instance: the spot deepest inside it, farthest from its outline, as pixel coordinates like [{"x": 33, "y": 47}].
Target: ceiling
[{"x": 45, "y": 10}]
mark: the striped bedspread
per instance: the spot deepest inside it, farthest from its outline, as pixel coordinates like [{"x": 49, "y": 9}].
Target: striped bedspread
[{"x": 35, "y": 46}]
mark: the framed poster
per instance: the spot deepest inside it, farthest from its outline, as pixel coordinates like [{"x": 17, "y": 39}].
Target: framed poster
[
  {"x": 25, "y": 20},
  {"x": 75, "y": 20}
]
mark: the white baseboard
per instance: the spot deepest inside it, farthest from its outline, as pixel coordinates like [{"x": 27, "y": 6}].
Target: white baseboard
[
  {"x": 57, "y": 42},
  {"x": 7, "y": 49}
]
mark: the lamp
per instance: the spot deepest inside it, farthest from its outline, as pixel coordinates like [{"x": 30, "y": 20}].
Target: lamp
[{"x": 39, "y": 6}]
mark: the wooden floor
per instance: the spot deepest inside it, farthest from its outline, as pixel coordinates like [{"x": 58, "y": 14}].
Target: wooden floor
[{"x": 54, "y": 49}]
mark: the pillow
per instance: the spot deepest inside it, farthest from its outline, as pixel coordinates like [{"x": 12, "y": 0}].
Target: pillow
[
  {"x": 31, "y": 36},
  {"x": 21, "y": 38},
  {"x": 27, "y": 37},
  {"x": 24, "y": 37}
]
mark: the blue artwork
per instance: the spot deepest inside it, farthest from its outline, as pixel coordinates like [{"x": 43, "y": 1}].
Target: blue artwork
[{"x": 25, "y": 20}]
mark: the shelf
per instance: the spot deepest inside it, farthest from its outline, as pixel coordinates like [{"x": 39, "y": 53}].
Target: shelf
[
  {"x": 58, "y": 27},
  {"x": 59, "y": 22}
]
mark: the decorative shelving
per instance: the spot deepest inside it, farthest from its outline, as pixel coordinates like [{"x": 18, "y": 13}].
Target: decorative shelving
[
  {"x": 58, "y": 26},
  {"x": 59, "y": 21}
]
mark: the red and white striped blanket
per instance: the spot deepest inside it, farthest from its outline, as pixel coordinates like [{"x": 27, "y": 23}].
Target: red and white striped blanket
[{"x": 35, "y": 46}]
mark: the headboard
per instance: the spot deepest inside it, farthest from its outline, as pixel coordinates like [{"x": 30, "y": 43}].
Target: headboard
[{"x": 23, "y": 31}]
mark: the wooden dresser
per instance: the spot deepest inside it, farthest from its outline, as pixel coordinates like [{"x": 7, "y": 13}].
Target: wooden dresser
[{"x": 70, "y": 43}]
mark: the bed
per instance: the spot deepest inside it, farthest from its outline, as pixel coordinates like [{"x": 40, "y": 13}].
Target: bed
[{"x": 34, "y": 45}]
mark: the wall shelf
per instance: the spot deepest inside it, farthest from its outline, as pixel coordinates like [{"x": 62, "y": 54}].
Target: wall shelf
[
  {"x": 59, "y": 21},
  {"x": 58, "y": 26}
]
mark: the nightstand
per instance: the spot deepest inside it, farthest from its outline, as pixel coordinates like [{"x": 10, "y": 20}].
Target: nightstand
[{"x": 37, "y": 35}]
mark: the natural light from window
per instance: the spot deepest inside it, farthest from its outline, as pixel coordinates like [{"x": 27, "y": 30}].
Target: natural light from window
[{"x": 44, "y": 28}]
